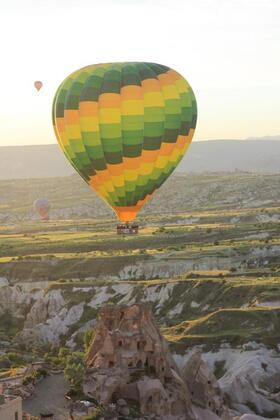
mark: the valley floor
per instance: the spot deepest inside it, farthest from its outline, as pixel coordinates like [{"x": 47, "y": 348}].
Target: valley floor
[{"x": 211, "y": 274}]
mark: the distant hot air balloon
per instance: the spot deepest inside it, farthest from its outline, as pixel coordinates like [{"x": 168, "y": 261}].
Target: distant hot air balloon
[
  {"x": 38, "y": 84},
  {"x": 125, "y": 127},
  {"x": 42, "y": 206}
]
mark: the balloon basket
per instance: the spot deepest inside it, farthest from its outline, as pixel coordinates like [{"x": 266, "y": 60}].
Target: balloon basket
[{"x": 127, "y": 228}]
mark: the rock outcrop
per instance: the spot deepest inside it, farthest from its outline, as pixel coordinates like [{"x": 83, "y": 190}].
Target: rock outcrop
[
  {"x": 204, "y": 387},
  {"x": 129, "y": 359},
  {"x": 253, "y": 380}
]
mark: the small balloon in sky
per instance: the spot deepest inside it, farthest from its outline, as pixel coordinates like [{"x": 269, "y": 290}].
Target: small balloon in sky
[
  {"x": 38, "y": 84},
  {"x": 42, "y": 207},
  {"x": 125, "y": 127}
]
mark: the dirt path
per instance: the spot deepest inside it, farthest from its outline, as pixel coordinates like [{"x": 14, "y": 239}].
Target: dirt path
[{"x": 49, "y": 397}]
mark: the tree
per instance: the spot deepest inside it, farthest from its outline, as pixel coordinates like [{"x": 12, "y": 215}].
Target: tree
[{"x": 75, "y": 370}]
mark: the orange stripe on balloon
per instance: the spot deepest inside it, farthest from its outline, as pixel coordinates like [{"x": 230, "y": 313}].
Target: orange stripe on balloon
[
  {"x": 116, "y": 169},
  {"x": 174, "y": 75},
  {"x": 129, "y": 213},
  {"x": 60, "y": 124},
  {"x": 126, "y": 214},
  {"x": 165, "y": 79},
  {"x": 131, "y": 163},
  {"x": 94, "y": 182},
  {"x": 181, "y": 141},
  {"x": 145, "y": 200},
  {"x": 88, "y": 109},
  {"x": 109, "y": 100},
  {"x": 166, "y": 149},
  {"x": 131, "y": 92},
  {"x": 149, "y": 156},
  {"x": 150, "y": 85},
  {"x": 71, "y": 116}
]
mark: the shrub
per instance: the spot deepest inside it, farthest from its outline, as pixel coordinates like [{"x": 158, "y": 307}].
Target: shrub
[
  {"x": 5, "y": 362},
  {"x": 15, "y": 358},
  {"x": 28, "y": 380},
  {"x": 75, "y": 370}
]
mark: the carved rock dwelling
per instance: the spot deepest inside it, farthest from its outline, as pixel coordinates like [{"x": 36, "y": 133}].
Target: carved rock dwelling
[{"x": 129, "y": 359}]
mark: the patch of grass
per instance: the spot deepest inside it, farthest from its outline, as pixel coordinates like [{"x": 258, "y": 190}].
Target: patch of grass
[{"x": 219, "y": 368}]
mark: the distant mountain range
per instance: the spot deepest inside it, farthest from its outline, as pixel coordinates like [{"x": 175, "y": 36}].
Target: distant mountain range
[{"x": 250, "y": 155}]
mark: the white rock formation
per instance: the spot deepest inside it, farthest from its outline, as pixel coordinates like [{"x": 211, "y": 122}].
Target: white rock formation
[{"x": 251, "y": 379}]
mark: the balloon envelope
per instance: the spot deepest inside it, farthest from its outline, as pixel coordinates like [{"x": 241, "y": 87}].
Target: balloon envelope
[
  {"x": 125, "y": 127},
  {"x": 43, "y": 207},
  {"x": 38, "y": 84}
]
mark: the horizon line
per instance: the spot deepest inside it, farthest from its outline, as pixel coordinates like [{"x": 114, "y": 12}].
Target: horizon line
[{"x": 262, "y": 138}]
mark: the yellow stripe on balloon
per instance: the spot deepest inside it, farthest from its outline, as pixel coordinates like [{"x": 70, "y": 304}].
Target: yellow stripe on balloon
[
  {"x": 73, "y": 131},
  {"x": 145, "y": 168},
  {"x": 132, "y": 107},
  {"x": 109, "y": 116},
  {"x": 89, "y": 124},
  {"x": 118, "y": 180},
  {"x": 153, "y": 99},
  {"x": 130, "y": 174},
  {"x": 161, "y": 161},
  {"x": 170, "y": 92}
]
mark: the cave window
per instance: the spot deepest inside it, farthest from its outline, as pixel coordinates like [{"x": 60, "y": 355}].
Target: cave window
[
  {"x": 209, "y": 403},
  {"x": 162, "y": 368},
  {"x": 150, "y": 399},
  {"x": 120, "y": 343},
  {"x": 209, "y": 382},
  {"x": 139, "y": 364},
  {"x": 111, "y": 364},
  {"x": 122, "y": 315},
  {"x": 138, "y": 345}
]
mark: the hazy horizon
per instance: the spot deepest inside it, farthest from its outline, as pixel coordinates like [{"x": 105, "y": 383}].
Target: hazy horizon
[
  {"x": 228, "y": 51},
  {"x": 264, "y": 138}
]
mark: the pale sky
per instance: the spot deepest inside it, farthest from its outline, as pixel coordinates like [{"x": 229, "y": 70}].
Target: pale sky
[{"x": 228, "y": 50}]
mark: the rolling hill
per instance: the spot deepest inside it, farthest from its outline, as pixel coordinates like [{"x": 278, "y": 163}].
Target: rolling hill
[{"x": 249, "y": 155}]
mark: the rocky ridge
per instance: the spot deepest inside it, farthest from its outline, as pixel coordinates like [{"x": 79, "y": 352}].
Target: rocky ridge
[
  {"x": 54, "y": 315},
  {"x": 129, "y": 360}
]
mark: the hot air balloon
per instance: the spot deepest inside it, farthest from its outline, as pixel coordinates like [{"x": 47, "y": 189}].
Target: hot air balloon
[
  {"x": 42, "y": 206},
  {"x": 38, "y": 84},
  {"x": 125, "y": 127}
]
